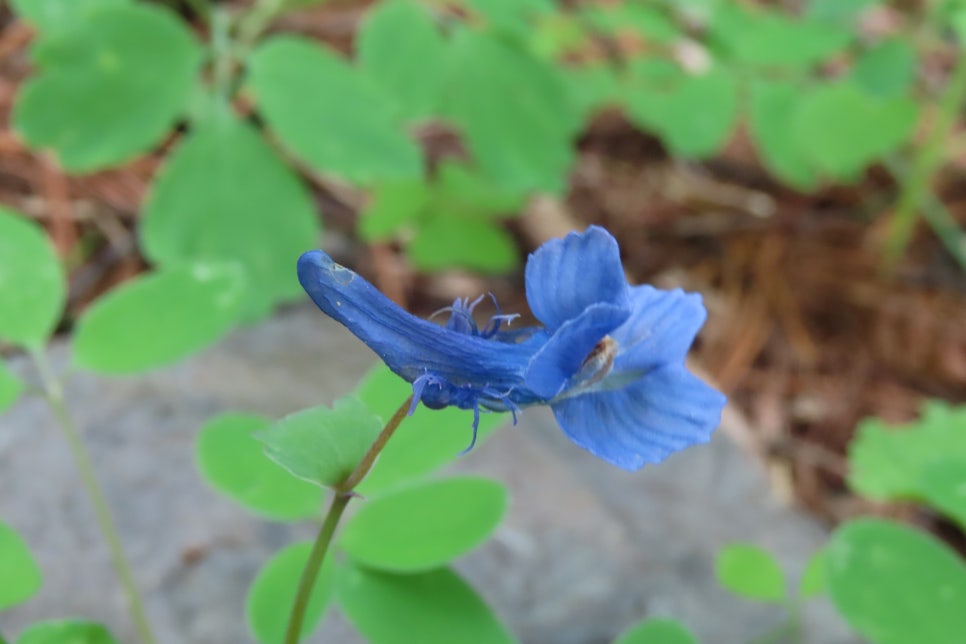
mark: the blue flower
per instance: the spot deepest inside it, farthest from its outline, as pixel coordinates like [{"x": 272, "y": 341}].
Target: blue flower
[{"x": 608, "y": 360}]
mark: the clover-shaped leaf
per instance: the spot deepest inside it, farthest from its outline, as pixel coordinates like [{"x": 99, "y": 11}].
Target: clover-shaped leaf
[
  {"x": 32, "y": 285},
  {"x": 225, "y": 195},
  {"x": 126, "y": 72},
  {"x": 330, "y": 114}
]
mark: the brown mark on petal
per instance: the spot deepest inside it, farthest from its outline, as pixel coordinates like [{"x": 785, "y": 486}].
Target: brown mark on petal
[{"x": 598, "y": 362}]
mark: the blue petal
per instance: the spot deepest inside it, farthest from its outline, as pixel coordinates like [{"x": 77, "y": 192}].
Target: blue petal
[
  {"x": 562, "y": 356},
  {"x": 655, "y": 416},
  {"x": 660, "y": 329},
  {"x": 566, "y": 276},
  {"x": 410, "y": 346}
]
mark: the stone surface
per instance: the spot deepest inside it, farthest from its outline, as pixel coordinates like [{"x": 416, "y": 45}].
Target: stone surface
[{"x": 585, "y": 551}]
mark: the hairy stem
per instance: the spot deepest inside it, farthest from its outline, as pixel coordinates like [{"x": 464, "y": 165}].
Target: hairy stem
[
  {"x": 54, "y": 394},
  {"x": 343, "y": 494}
]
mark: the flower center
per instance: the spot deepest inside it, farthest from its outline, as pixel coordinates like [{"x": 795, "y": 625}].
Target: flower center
[{"x": 598, "y": 362}]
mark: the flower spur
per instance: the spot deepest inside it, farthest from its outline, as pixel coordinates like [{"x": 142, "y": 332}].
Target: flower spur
[{"x": 608, "y": 360}]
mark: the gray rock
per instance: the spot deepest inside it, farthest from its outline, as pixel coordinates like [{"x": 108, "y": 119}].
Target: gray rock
[{"x": 585, "y": 551}]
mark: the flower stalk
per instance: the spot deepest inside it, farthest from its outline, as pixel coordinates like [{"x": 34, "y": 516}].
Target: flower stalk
[{"x": 343, "y": 494}]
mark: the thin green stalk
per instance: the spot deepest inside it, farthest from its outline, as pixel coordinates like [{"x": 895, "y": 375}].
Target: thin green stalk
[
  {"x": 343, "y": 494},
  {"x": 254, "y": 22},
  {"x": 916, "y": 186},
  {"x": 55, "y": 399},
  {"x": 937, "y": 216},
  {"x": 313, "y": 565}
]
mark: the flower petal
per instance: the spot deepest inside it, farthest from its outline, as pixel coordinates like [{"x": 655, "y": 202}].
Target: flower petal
[
  {"x": 562, "y": 356},
  {"x": 659, "y": 414},
  {"x": 410, "y": 346},
  {"x": 566, "y": 276},
  {"x": 660, "y": 329}
]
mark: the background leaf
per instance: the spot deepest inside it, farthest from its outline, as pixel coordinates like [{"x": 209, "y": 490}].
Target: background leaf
[
  {"x": 399, "y": 47},
  {"x": 272, "y": 593},
  {"x": 435, "y": 607},
  {"x": 66, "y": 631},
  {"x": 393, "y": 207},
  {"x": 843, "y": 129},
  {"x": 159, "y": 318},
  {"x": 19, "y": 571},
  {"x": 773, "y": 107},
  {"x": 10, "y": 387},
  {"x": 693, "y": 114},
  {"x": 234, "y": 463},
  {"x": 943, "y": 486},
  {"x": 126, "y": 71},
  {"x": 424, "y": 526},
  {"x": 887, "y": 69},
  {"x": 772, "y": 39},
  {"x": 329, "y": 114},
  {"x": 751, "y": 572},
  {"x": 224, "y": 195},
  {"x": 448, "y": 241},
  {"x": 523, "y": 144},
  {"x": 895, "y": 585},
  {"x": 32, "y": 285},
  {"x": 323, "y": 445},
  {"x": 812, "y": 582},
  {"x": 424, "y": 442},
  {"x": 657, "y": 631},
  {"x": 49, "y": 15},
  {"x": 889, "y": 462}
]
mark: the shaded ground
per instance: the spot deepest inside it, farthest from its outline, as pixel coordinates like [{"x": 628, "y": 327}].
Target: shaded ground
[{"x": 806, "y": 333}]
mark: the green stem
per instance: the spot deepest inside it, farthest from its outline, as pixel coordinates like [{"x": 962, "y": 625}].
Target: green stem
[
  {"x": 343, "y": 494},
  {"x": 254, "y": 22},
  {"x": 55, "y": 399},
  {"x": 930, "y": 157}
]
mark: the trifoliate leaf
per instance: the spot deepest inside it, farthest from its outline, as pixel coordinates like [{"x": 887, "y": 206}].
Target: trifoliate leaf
[
  {"x": 331, "y": 115},
  {"x": 126, "y": 72},
  {"x": 224, "y": 195}
]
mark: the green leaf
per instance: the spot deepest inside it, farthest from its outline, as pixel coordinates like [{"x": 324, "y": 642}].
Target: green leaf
[
  {"x": 772, "y": 39},
  {"x": 512, "y": 17},
  {"x": 424, "y": 526},
  {"x": 837, "y": 10},
  {"x": 523, "y": 144},
  {"x": 399, "y": 47},
  {"x": 272, "y": 593},
  {"x": 393, "y": 206},
  {"x": 423, "y": 442},
  {"x": 657, "y": 631},
  {"x": 593, "y": 87},
  {"x": 843, "y": 129},
  {"x": 67, "y": 631},
  {"x": 322, "y": 445},
  {"x": 650, "y": 23},
  {"x": 449, "y": 241},
  {"x": 234, "y": 463},
  {"x": 159, "y": 318},
  {"x": 890, "y": 463},
  {"x": 896, "y": 585},
  {"x": 329, "y": 114},
  {"x": 32, "y": 286},
  {"x": 458, "y": 190},
  {"x": 812, "y": 582},
  {"x": 774, "y": 105},
  {"x": 224, "y": 195},
  {"x": 18, "y": 569},
  {"x": 126, "y": 72},
  {"x": 751, "y": 572},
  {"x": 48, "y": 15},
  {"x": 437, "y": 606},
  {"x": 943, "y": 486},
  {"x": 693, "y": 115},
  {"x": 887, "y": 69},
  {"x": 10, "y": 387}
]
